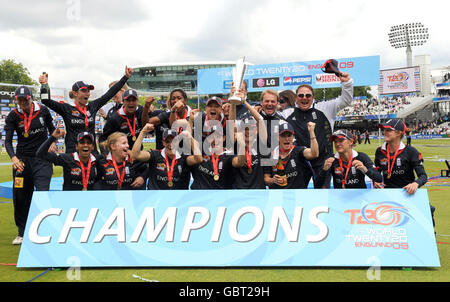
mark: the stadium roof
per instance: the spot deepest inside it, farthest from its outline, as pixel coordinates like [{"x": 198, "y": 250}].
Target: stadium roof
[{"x": 192, "y": 63}]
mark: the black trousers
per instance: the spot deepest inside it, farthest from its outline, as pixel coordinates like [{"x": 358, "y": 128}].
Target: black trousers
[
  {"x": 37, "y": 174},
  {"x": 313, "y": 171}
]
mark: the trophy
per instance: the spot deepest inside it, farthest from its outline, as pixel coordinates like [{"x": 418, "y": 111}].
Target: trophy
[{"x": 238, "y": 79}]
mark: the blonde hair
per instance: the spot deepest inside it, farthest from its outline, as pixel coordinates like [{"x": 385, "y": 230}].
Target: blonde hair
[
  {"x": 269, "y": 91},
  {"x": 124, "y": 87},
  {"x": 112, "y": 139}
]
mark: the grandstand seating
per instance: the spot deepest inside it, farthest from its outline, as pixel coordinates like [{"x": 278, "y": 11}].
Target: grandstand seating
[{"x": 401, "y": 106}]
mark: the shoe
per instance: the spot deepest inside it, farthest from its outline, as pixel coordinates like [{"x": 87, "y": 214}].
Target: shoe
[{"x": 17, "y": 240}]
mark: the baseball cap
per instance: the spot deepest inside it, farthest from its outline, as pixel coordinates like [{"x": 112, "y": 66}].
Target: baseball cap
[
  {"x": 331, "y": 66},
  {"x": 82, "y": 135},
  {"x": 130, "y": 92},
  {"x": 394, "y": 124},
  {"x": 248, "y": 122},
  {"x": 81, "y": 85},
  {"x": 169, "y": 132},
  {"x": 341, "y": 133},
  {"x": 214, "y": 99},
  {"x": 285, "y": 127},
  {"x": 23, "y": 91}
]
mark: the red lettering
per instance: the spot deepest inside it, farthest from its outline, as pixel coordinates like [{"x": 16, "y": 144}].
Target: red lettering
[{"x": 352, "y": 215}]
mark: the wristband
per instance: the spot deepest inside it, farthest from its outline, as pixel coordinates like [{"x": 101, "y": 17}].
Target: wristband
[{"x": 312, "y": 138}]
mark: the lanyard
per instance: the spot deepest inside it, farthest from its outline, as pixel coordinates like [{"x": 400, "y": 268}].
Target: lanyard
[
  {"x": 85, "y": 174},
  {"x": 249, "y": 160},
  {"x": 27, "y": 119},
  {"x": 348, "y": 167},
  {"x": 288, "y": 151},
  {"x": 185, "y": 115},
  {"x": 170, "y": 169},
  {"x": 215, "y": 162},
  {"x": 391, "y": 164},
  {"x": 120, "y": 177},
  {"x": 132, "y": 129},
  {"x": 84, "y": 111}
]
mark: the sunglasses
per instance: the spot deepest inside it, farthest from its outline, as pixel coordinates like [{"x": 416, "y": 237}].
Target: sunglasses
[
  {"x": 301, "y": 95},
  {"x": 283, "y": 100}
]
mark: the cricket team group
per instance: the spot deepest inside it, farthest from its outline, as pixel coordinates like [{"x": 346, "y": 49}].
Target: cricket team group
[{"x": 284, "y": 142}]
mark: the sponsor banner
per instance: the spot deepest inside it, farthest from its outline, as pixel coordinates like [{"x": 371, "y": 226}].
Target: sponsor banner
[
  {"x": 326, "y": 78},
  {"x": 266, "y": 82},
  {"x": 442, "y": 99},
  {"x": 365, "y": 71},
  {"x": 297, "y": 80},
  {"x": 365, "y": 117},
  {"x": 399, "y": 80},
  {"x": 240, "y": 228},
  {"x": 443, "y": 85}
]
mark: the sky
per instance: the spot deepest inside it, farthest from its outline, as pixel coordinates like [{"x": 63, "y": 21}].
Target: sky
[{"x": 94, "y": 40}]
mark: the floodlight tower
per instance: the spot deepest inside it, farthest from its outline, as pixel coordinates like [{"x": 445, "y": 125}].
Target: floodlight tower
[{"x": 407, "y": 35}]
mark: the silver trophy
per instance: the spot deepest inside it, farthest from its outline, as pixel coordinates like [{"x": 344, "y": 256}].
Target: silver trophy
[{"x": 238, "y": 80}]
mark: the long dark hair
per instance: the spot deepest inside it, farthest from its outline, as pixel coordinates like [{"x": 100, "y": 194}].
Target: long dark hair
[{"x": 180, "y": 91}]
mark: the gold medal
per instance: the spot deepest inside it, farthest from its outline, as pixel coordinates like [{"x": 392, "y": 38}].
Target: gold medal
[
  {"x": 119, "y": 187},
  {"x": 216, "y": 177},
  {"x": 343, "y": 186},
  {"x": 250, "y": 170},
  {"x": 25, "y": 134},
  {"x": 134, "y": 138},
  {"x": 389, "y": 176},
  {"x": 84, "y": 189},
  {"x": 170, "y": 184}
]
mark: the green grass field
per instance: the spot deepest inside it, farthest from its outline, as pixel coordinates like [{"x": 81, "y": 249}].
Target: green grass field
[{"x": 438, "y": 190}]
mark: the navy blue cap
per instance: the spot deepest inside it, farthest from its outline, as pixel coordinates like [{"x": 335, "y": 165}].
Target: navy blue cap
[
  {"x": 130, "y": 92},
  {"x": 285, "y": 127},
  {"x": 169, "y": 132},
  {"x": 394, "y": 124},
  {"x": 214, "y": 99},
  {"x": 341, "y": 133},
  {"x": 23, "y": 91},
  {"x": 82, "y": 135},
  {"x": 81, "y": 85}
]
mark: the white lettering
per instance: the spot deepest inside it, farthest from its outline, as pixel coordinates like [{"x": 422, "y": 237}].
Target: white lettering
[
  {"x": 259, "y": 223},
  {"x": 291, "y": 231},
  {"x": 70, "y": 223},
  {"x": 323, "y": 228},
  {"x": 119, "y": 216},
  {"x": 190, "y": 225},
  {"x": 33, "y": 232},
  {"x": 148, "y": 217}
]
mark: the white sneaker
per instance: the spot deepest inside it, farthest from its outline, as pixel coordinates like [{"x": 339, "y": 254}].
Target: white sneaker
[{"x": 17, "y": 240}]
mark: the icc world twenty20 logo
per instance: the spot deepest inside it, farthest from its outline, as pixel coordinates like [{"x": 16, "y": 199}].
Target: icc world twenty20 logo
[{"x": 387, "y": 213}]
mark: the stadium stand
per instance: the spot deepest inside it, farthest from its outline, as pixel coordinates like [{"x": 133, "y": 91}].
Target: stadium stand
[{"x": 400, "y": 106}]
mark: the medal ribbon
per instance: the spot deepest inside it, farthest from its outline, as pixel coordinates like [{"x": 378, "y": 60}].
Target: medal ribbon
[
  {"x": 184, "y": 117},
  {"x": 132, "y": 129},
  {"x": 85, "y": 174},
  {"x": 388, "y": 155},
  {"x": 170, "y": 167},
  {"x": 27, "y": 119},
  {"x": 249, "y": 158},
  {"x": 215, "y": 162},
  {"x": 348, "y": 167},
  {"x": 120, "y": 177},
  {"x": 84, "y": 111}
]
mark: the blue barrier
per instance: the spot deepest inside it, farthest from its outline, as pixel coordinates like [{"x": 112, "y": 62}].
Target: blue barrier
[{"x": 248, "y": 228}]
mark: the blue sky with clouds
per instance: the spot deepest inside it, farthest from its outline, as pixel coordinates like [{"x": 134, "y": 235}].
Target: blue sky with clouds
[{"x": 94, "y": 40}]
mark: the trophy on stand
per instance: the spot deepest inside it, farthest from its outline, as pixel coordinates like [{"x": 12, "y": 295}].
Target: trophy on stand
[{"x": 238, "y": 79}]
